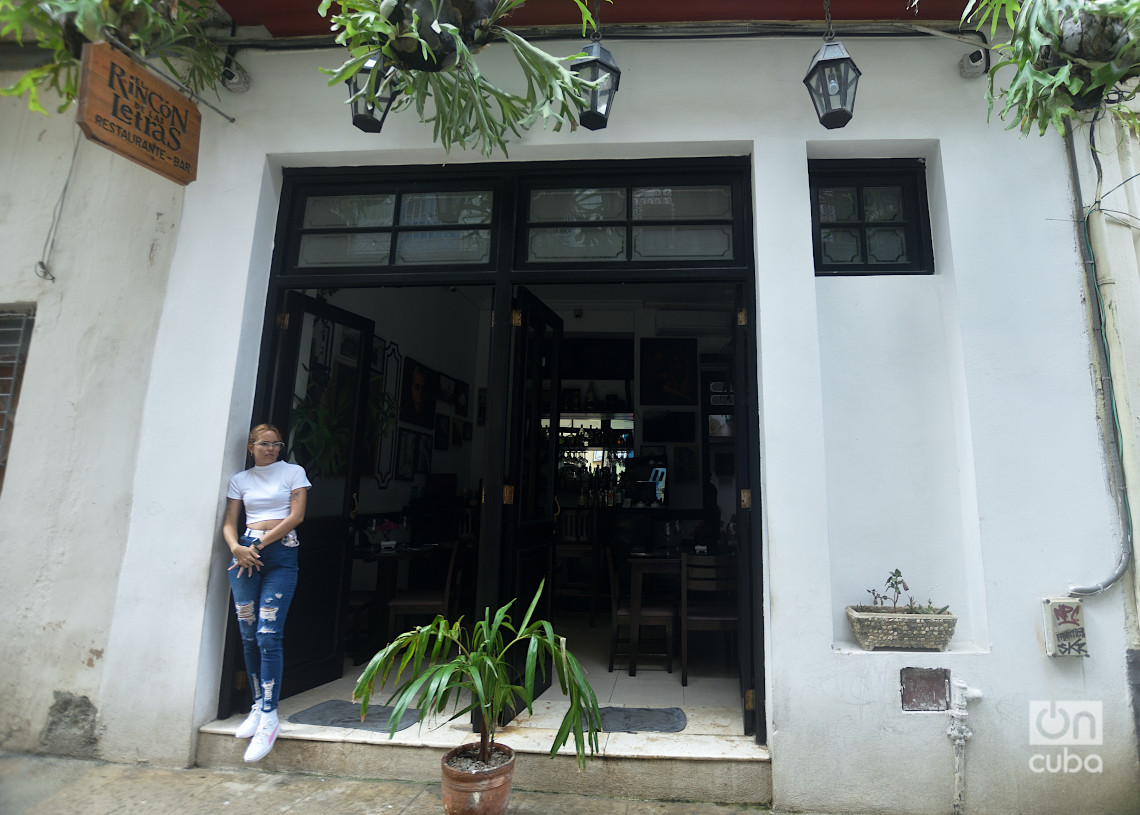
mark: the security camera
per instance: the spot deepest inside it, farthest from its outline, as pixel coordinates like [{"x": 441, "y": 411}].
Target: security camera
[{"x": 973, "y": 64}]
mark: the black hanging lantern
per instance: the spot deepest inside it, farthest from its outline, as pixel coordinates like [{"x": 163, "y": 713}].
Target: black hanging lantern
[
  {"x": 594, "y": 64},
  {"x": 364, "y": 111},
  {"x": 832, "y": 79},
  {"x": 597, "y": 63}
]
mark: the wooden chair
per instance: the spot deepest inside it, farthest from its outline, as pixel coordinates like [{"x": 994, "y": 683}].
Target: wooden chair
[
  {"x": 708, "y": 599},
  {"x": 577, "y": 558},
  {"x": 427, "y": 602},
  {"x": 656, "y": 614}
]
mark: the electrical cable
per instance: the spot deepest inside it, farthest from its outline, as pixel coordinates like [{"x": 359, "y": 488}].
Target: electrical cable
[
  {"x": 42, "y": 269},
  {"x": 1127, "y": 545}
]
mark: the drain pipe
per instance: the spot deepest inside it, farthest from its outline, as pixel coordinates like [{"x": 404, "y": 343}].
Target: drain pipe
[
  {"x": 959, "y": 732},
  {"x": 1102, "y": 286}
]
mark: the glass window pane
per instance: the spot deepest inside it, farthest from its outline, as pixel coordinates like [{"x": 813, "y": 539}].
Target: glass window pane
[
  {"x": 350, "y": 211},
  {"x": 837, "y": 205},
  {"x": 369, "y": 249},
  {"x": 586, "y": 204},
  {"x": 682, "y": 203},
  {"x": 427, "y": 208},
  {"x": 682, "y": 242},
  {"x": 882, "y": 204},
  {"x": 886, "y": 244},
  {"x": 443, "y": 246},
  {"x": 563, "y": 244},
  {"x": 841, "y": 246}
]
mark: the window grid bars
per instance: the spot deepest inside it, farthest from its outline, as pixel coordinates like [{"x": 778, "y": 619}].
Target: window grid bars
[{"x": 15, "y": 331}]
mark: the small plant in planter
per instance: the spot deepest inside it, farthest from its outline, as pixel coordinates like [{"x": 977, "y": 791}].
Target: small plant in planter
[
  {"x": 443, "y": 659},
  {"x": 912, "y": 626}
]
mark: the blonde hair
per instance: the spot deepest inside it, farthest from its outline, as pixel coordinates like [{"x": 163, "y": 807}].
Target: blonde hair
[{"x": 264, "y": 428}]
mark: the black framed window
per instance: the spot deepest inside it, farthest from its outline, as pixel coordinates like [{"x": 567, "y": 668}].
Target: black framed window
[
  {"x": 870, "y": 217},
  {"x": 15, "y": 336},
  {"x": 682, "y": 222},
  {"x": 373, "y": 227},
  {"x": 346, "y": 226}
]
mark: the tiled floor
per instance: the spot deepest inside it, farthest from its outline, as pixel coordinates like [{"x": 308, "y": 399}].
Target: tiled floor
[{"x": 711, "y": 703}]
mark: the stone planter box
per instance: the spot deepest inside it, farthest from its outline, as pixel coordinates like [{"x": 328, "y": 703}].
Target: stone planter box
[{"x": 875, "y": 627}]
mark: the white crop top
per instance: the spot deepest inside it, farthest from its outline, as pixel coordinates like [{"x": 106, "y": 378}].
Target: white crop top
[{"x": 265, "y": 490}]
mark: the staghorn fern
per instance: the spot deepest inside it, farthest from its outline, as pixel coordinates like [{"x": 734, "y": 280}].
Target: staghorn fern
[{"x": 427, "y": 48}]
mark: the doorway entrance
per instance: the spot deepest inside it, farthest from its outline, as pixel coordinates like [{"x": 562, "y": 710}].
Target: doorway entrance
[{"x": 440, "y": 367}]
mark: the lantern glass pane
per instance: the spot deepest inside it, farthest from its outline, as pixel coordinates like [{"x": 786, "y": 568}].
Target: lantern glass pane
[
  {"x": 369, "y": 249},
  {"x": 430, "y": 208},
  {"x": 886, "y": 245},
  {"x": 568, "y": 244},
  {"x": 882, "y": 203},
  {"x": 837, "y": 205},
  {"x": 350, "y": 211},
  {"x": 704, "y": 242},
  {"x": 682, "y": 203},
  {"x": 578, "y": 205},
  {"x": 443, "y": 246},
  {"x": 841, "y": 246}
]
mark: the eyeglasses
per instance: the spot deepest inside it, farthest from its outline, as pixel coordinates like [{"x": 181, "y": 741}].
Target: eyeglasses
[{"x": 265, "y": 445}]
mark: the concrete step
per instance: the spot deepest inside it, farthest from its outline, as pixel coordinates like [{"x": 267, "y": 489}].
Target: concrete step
[{"x": 705, "y": 762}]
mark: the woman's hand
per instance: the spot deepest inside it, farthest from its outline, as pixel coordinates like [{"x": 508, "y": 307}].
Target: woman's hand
[{"x": 246, "y": 557}]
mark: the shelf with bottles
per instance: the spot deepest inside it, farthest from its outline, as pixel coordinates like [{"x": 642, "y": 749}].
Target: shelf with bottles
[{"x": 606, "y": 432}]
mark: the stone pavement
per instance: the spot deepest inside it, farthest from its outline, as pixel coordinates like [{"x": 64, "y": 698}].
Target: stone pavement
[{"x": 45, "y": 785}]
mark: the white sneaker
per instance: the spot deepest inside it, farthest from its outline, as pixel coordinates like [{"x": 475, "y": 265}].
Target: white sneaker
[
  {"x": 263, "y": 739},
  {"x": 249, "y": 726}
]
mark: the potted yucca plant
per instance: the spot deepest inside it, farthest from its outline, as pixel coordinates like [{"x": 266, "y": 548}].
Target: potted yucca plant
[{"x": 445, "y": 667}]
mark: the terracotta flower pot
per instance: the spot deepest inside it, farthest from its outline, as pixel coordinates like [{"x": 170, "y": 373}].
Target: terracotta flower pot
[{"x": 480, "y": 792}]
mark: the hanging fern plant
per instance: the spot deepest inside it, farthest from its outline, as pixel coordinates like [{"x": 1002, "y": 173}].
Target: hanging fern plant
[
  {"x": 422, "y": 51},
  {"x": 1067, "y": 56},
  {"x": 171, "y": 31}
]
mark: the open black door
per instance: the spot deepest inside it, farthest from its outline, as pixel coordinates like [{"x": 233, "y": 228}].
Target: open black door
[
  {"x": 315, "y": 395},
  {"x": 318, "y": 395},
  {"x": 528, "y": 517},
  {"x": 750, "y": 573},
  {"x": 518, "y": 524}
]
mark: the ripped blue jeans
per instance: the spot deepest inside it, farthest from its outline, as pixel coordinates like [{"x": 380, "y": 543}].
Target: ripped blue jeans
[{"x": 262, "y": 601}]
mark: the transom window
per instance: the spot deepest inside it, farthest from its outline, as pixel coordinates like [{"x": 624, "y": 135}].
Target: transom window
[
  {"x": 395, "y": 229},
  {"x": 870, "y": 217},
  {"x": 353, "y": 224},
  {"x": 630, "y": 224}
]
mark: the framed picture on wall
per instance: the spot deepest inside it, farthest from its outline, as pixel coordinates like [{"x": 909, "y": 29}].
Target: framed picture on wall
[
  {"x": 423, "y": 443},
  {"x": 406, "y": 455},
  {"x": 417, "y": 394},
  {"x": 442, "y": 431},
  {"x": 456, "y": 433},
  {"x": 446, "y": 390},
  {"x": 668, "y": 371},
  {"x": 461, "y": 398},
  {"x": 468, "y": 431},
  {"x": 685, "y": 464}
]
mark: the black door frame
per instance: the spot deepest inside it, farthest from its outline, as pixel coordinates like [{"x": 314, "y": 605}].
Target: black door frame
[{"x": 509, "y": 183}]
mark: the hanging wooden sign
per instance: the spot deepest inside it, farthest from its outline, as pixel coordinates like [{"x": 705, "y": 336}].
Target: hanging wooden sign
[{"x": 130, "y": 111}]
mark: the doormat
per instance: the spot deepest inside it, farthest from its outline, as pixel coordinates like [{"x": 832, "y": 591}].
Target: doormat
[
  {"x": 338, "y": 713},
  {"x": 643, "y": 719}
]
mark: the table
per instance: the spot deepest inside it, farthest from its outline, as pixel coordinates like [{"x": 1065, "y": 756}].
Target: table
[
  {"x": 639, "y": 566},
  {"x": 385, "y": 587}
]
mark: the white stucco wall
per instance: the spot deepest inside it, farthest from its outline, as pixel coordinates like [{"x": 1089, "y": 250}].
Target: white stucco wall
[
  {"x": 69, "y": 487},
  {"x": 1002, "y": 411}
]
